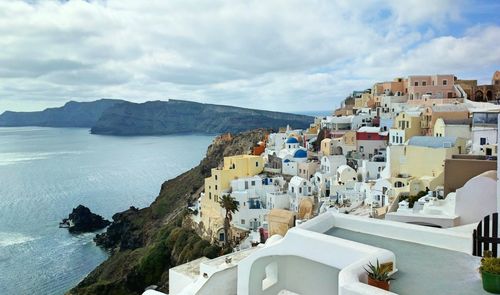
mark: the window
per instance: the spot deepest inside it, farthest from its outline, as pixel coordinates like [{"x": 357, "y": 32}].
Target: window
[
  {"x": 246, "y": 184},
  {"x": 253, "y": 183},
  {"x": 256, "y": 164},
  {"x": 210, "y": 196},
  {"x": 221, "y": 237},
  {"x": 445, "y": 82},
  {"x": 215, "y": 187},
  {"x": 361, "y": 148},
  {"x": 424, "y": 83},
  {"x": 300, "y": 190},
  {"x": 271, "y": 276},
  {"x": 215, "y": 176},
  {"x": 416, "y": 84},
  {"x": 243, "y": 221},
  {"x": 482, "y": 141}
]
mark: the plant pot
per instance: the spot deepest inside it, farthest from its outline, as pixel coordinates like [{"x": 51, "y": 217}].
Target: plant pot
[
  {"x": 491, "y": 282},
  {"x": 379, "y": 284}
]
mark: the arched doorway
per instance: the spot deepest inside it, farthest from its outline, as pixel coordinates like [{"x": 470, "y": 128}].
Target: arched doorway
[
  {"x": 489, "y": 95},
  {"x": 479, "y": 95}
]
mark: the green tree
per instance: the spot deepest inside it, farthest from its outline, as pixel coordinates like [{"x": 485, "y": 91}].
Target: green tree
[{"x": 228, "y": 203}]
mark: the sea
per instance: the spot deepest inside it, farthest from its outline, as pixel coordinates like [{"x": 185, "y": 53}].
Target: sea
[{"x": 45, "y": 172}]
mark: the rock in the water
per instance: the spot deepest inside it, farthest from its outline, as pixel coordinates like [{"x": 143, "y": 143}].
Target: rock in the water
[{"x": 81, "y": 220}]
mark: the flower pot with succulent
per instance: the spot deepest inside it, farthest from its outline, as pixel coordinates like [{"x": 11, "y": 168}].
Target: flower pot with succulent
[
  {"x": 378, "y": 275},
  {"x": 490, "y": 273}
]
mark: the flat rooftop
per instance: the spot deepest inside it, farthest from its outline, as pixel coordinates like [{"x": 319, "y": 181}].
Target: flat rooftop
[{"x": 424, "y": 270}]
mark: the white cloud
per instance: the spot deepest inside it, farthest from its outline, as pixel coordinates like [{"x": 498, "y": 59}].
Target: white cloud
[{"x": 281, "y": 55}]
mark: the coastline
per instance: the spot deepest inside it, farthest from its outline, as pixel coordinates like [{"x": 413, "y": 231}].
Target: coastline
[{"x": 136, "y": 237}]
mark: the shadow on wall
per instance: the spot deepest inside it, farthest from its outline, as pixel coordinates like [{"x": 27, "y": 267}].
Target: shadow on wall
[{"x": 272, "y": 274}]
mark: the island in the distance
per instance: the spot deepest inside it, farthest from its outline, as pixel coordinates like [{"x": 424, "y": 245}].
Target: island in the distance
[
  {"x": 119, "y": 117},
  {"x": 72, "y": 114}
]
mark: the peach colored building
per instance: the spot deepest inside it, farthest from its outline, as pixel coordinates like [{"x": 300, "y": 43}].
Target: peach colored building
[
  {"x": 437, "y": 86},
  {"x": 444, "y": 111},
  {"x": 397, "y": 87}
]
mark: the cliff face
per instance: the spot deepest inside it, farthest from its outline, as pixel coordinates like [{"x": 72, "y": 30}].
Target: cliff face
[
  {"x": 176, "y": 116},
  {"x": 72, "y": 114},
  {"x": 145, "y": 243}
]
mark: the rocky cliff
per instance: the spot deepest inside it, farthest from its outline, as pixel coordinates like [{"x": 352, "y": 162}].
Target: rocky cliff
[
  {"x": 72, "y": 114},
  {"x": 177, "y": 116},
  {"x": 146, "y": 242}
]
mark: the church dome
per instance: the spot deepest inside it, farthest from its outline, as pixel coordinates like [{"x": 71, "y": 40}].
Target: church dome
[{"x": 300, "y": 154}]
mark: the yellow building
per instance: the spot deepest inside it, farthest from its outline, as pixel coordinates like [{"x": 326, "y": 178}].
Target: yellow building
[
  {"x": 406, "y": 125},
  {"x": 420, "y": 164},
  {"x": 326, "y": 147},
  {"x": 219, "y": 183}
]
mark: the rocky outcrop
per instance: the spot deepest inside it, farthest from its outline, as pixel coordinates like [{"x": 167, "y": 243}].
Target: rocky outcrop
[
  {"x": 122, "y": 233},
  {"x": 177, "y": 117},
  {"x": 146, "y": 242},
  {"x": 82, "y": 220}
]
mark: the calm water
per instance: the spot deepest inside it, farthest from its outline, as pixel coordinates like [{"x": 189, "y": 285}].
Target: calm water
[{"x": 45, "y": 172}]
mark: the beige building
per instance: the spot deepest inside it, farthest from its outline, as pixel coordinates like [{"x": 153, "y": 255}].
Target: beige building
[
  {"x": 406, "y": 125},
  {"x": 340, "y": 145},
  {"x": 307, "y": 169},
  {"x": 326, "y": 148},
  {"x": 444, "y": 111},
  {"x": 280, "y": 221},
  {"x": 365, "y": 101},
  {"x": 420, "y": 164},
  {"x": 218, "y": 184},
  {"x": 457, "y": 128}
]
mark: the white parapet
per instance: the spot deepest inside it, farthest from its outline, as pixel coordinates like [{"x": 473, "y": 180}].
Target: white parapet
[{"x": 307, "y": 262}]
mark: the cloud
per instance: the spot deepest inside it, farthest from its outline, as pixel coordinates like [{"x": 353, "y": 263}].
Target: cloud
[{"x": 280, "y": 55}]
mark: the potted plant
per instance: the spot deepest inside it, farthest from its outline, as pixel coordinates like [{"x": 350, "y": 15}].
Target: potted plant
[
  {"x": 378, "y": 276},
  {"x": 490, "y": 273}
]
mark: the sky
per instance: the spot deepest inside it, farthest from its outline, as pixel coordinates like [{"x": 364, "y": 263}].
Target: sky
[{"x": 277, "y": 55}]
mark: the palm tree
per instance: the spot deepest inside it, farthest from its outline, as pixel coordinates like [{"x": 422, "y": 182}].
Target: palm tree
[{"x": 229, "y": 204}]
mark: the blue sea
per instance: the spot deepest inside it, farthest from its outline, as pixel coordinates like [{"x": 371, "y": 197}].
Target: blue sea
[{"x": 45, "y": 172}]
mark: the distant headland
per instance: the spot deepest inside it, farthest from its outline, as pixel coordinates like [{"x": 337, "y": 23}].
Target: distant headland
[{"x": 120, "y": 117}]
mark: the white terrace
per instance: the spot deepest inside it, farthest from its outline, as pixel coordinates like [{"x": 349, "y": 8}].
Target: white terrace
[{"x": 326, "y": 255}]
